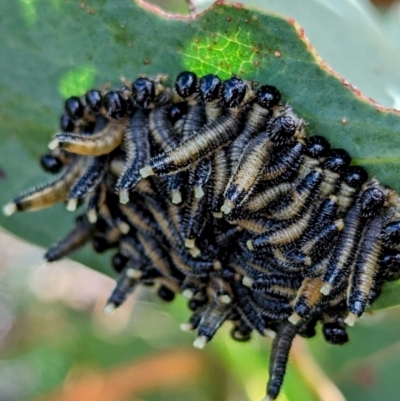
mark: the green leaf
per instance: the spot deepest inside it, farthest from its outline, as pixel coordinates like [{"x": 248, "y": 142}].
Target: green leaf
[{"x": 51, "y": 50}]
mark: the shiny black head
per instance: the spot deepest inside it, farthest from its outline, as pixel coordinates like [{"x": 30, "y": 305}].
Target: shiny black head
[
  {"x": 371, "y": 201},
  {"x": 74, "y": 108},
  {"x": 195, "y": 304},
  {"x": 66, "y": 123},
  {"x": 355, "y": 177},
  {"x": 234, "y": 92},
  {"x": 51, "y": 164},
  {"x": 240, "y": 335},
  {"x": 93, "y": 100},
  {"x": 334, "y": 333},
  {"x": 283, "y": 127},
  {"x": 391, "y": 234},
  {"x": 100, "y": 244},
  {"x": 118, "y": 262},
  {"x": 390, "y": 260},
  {"x": 177, "y": 111},
  {"x": 143, "y": 92},
  {"x": 115, "y": 105},
  {"x": 268, "y": 96},
  {"x": 166, "y": 294},
  {"x": 317, "y": 147},
  {"x": 210, "y": 87},
  {"x": 337, "y": 160},
  {"x": 186, "y": 84}
]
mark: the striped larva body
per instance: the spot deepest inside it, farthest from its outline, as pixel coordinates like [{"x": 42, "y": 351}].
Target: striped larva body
[
  {"x": 75, "y": 239},
  {"x": 48, "y": 194},
  {"x": 209, "y": 138},
  {"x": 365, "y": 266},
  {"x": 256, "y": 155},
  {"x": 98, "y": 144},
  {"x": 291, "y": 205},
  {"x": 94, "y": 170},
  {"x": 279, "y": 358},
  {"x": 266, "y": 98}
]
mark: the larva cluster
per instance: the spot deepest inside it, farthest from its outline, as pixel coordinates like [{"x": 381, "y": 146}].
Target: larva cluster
[{"x": 213, "y": 190}]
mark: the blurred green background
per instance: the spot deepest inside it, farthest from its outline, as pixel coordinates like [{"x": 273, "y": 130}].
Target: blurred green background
[{"x": 57, "y": 345}]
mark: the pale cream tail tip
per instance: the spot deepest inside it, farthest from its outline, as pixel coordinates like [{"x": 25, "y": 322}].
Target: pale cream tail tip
[
  {"x": 189, "y": 243},
  {"x": 247, "y": 281},
  {"x": 188, "y": 294},
  {"x": 267, "y": 398},
  {"x": 146, "y": 171},
  {"x": 198, "y": 192},
  {"x": 227, "y": 207},
  {"x": 200, "y": 342},
  {"x": 123, "y": 227},
  {"x": 109, "y": 309},
  {"x": 270, "y": 333},
  {"x": 91, "y": 216},
  {"x": 250, "y": 245},
  {"x": 72, "y": 204},
  {"x": 195, "y": 252},
  {"x": 53, "y": 144},
  {"x": 225, "y": 299},
  {"x": 294, "y": 318},
  {"x": 9, "y": 209},
  {"x": 123, "y": 196},
  {"x": 350, "y": 319},
  {"x": 186, "y": 327},
  {"x": 176, "y": 197},
  {"x": 326, "y": 289}
]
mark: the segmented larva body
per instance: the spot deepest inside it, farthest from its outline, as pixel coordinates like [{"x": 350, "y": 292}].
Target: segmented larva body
[{"x": 213, "y": 190}]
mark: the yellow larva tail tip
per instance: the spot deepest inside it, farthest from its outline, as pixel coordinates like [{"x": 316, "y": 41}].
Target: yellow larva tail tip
[
  {"x": 270, "y": 333},
  {"x": 134, "y": 273},
  {"x": 53, "y": 144},
  {"x": 123, "y": 227},
  {"x": 72, "y": 204},
  {"x": 146, "y": 171},
  {"x": 247, "y": 281},
  {"x": 123, "y": 196},
  {"x": 109, "y": 308},
  {"x": 91, "y": 216},
  {"x": 189, "y": 243},
  {"x": 195, "y": 252},
  {"x": 9, "y": 209},
  {"x": 350, "y": 319},
  {"x": 188, "y": 294},
  {"x": 294, "y": 318},
  {"x": 225, "y": 299},
  {"x": 200, "y": 342},
  {"x": 218, "y": 215},
  {"x": 198, "y": 192},
  {"x": 250, "y": 245},
  {"x": 176, "y": 197},
  {"x": 217, "y": 265},
  {"x": 186, "y": 327},
  {"x": 227, "y": 207},
  {"x": 339, "y": 224},
  {"x": 326, "y": 289}
]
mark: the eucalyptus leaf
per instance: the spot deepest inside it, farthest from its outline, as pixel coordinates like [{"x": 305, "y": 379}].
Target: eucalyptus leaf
[{"x": 56, "y": 49}]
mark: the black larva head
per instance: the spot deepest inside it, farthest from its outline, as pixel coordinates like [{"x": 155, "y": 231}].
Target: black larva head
[
  {"x": 66, "y": 123},
  {"x": 143, "y": 92},
  {"x": 93, "y": 100},
  {"x": 186, "y": 84},
  {"x": 210, "y": 87},
  {"x": 114, "y": 104},
  {"x": 390, "y": 260},
  {"x": 118, "y": 262},
  {"x": 334, "y": 333},
  {"x": 355, "y": 176},
  {"x": 283, "y": 127},
  {"x": 317, "y": 147},
  {"x": 337, "y": 160},
  {"x": 51, "y": 164},
  {"x": 234, "y": 92},
  {"x": 268, "y": 96},
  {"x": 177, "y": 111},
  {"x": 166, "y": 294},
  {"x": 74, "y": 108},
  {"x": 371, "y": 201}
]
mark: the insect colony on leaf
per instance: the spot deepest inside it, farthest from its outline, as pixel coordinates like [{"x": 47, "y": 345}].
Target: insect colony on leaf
[{"x": 213, "y": 190}]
